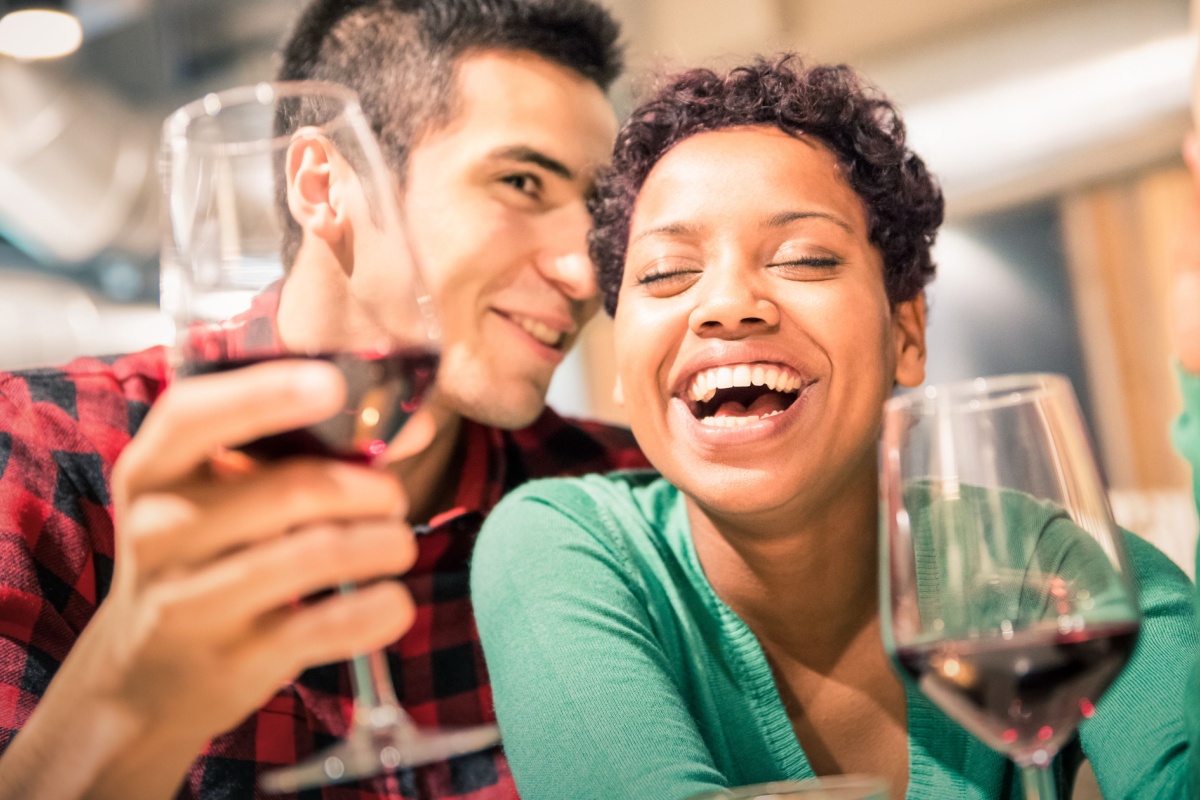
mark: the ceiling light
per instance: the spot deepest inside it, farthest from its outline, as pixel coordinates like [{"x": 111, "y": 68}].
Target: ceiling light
[{"x": 39, "y": 33}]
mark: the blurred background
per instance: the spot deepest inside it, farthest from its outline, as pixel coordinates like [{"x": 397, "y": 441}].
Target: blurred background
[{"x": 1054, "y": 126}]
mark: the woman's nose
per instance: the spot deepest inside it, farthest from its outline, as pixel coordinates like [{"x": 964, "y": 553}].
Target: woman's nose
[{"x": 731, "y": 302}]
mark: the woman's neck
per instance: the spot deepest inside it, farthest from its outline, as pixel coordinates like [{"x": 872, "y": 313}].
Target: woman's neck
[{"x": 804, "y": 579}]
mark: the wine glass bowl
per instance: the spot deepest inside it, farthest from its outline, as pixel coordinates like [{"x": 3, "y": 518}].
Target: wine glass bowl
[
  {"x": 238, "y": 200},
  {"x": 1005, "y": 588},
  {"x": 284, "y": 239}
]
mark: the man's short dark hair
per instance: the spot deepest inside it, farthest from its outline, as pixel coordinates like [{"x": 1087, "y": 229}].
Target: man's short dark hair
[
  {"x": 830, "y": 104},
  {"x": 401, "y": 56}
]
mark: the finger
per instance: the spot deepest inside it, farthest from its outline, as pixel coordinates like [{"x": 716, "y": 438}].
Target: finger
[
  {"x": 231, "y": 593},
  {"x": 198, "y": 415},
  {"x": 201, "y": 521},
  {"x": 335, "y": 629},
  {"x": 1187, "y": 255},
  {"x": 1191, "y": 156},
  {"x": 1186, "y": 301},
  {"x": 414, "y": 437}
]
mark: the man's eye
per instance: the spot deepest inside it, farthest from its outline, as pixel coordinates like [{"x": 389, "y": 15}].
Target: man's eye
[{"x": 524, "y": 183}]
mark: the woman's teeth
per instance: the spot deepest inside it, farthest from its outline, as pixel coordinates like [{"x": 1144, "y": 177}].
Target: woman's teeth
[
  {"x": 736, "y": 421},
  {"x": 775, "y": 377}
]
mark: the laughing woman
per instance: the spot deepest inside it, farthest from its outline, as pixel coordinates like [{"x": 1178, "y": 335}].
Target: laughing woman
[{"x": 763, "y": 242}]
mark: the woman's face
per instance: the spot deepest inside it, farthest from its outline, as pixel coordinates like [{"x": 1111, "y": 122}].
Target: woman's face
[{"x": 755, "y": 341}]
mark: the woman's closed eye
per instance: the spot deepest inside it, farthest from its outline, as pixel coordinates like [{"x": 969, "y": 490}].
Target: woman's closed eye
[
  {"x": 807, "y": 267},
  {"x": 665, "y": 279}
]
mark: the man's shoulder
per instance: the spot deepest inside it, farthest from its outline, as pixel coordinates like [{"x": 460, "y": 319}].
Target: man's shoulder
[
  {"x": 87, "y": 397},
  {"x": 556, "y": 446}
]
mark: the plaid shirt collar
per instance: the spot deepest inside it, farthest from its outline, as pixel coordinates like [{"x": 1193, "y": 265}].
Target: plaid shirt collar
[{"x": 482, "y": 481}]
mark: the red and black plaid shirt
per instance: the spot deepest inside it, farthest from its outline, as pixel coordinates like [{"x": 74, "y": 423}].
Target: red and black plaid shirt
[{"x": 60, "y": 432}]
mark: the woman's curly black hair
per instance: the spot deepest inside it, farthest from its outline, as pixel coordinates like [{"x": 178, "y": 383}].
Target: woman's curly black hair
[{"x": 830, "y": 104}]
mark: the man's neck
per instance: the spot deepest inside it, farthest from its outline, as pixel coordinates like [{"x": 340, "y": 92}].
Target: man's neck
[
  {"x": 313, "y": 287},
  {"x": 430, "y": 477}
]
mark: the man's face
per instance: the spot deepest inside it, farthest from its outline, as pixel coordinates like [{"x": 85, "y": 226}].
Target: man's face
[{"x": 494, "y": 203}]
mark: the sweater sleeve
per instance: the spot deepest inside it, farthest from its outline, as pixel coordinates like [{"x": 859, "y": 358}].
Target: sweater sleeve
[
  {"x": 1186, "y": 434},
  {"x": 1137, "y": 742},
  {"x": 586, "y": 700},
  {"x": 1186, "y": 430}
]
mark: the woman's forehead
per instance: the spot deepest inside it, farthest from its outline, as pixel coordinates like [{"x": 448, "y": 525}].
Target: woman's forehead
[{"x": 738, "y": 173}]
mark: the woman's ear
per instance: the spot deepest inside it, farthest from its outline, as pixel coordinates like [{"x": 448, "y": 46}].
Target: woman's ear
[
  {"x": 908, "y": 329},
  {"x": 312, "y": 197}
]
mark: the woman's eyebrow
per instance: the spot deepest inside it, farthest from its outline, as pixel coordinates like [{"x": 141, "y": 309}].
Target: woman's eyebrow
[
  {"x": 670, "y": 229},
  {"x": 529, "y": 155},
  {"x": 786, "y": 217}
]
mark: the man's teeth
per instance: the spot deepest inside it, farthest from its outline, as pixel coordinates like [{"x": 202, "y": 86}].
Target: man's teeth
[
  {"x": 543, "y": 333},
  {"x": 773, "y": 376},
  {"x": 736, "y": 422}
]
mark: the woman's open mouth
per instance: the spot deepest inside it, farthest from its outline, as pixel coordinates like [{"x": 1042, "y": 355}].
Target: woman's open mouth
[{"x": 733, "y": 395}]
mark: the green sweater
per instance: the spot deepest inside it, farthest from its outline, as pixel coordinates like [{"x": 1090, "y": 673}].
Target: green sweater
[
  {"x": 618, "y": 673},
  {"x": 1187, "y": 441},
  {"x": 1187, "y": 432}
]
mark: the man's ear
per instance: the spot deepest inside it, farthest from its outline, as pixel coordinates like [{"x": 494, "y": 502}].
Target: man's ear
[
  {"x": 312, "y": 195},
  {"x": 908, "y": 331}
]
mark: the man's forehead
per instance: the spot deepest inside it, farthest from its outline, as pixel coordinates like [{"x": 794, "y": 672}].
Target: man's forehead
[{"x": 507, "y": 103}]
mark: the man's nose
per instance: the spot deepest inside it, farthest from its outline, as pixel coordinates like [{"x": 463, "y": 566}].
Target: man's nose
[{"x": 563, "y": 258}]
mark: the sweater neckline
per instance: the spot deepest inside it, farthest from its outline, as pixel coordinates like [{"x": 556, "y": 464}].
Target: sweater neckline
[{"x": 923, "y": 720}]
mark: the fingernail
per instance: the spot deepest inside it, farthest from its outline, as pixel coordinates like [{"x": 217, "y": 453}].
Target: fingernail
[
  {"x": 317, "y": 380},
  {"x": 314, "y": 377}
]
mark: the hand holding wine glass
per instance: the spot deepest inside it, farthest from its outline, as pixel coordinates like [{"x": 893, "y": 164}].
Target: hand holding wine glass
[
  {"x": 286, "y": 242},
  {"x": 1006, "y": 592}
]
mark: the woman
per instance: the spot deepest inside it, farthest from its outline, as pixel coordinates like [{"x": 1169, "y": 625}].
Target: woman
[{"x": 763, "y": 243}]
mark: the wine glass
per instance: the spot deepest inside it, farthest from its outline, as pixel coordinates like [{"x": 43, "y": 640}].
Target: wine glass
[
  {"x": 280, "y": 189},
  {"x": 1006, "y": 591}
]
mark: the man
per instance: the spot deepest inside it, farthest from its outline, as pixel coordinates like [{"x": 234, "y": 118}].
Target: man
[{"x": 146, "y": 608}]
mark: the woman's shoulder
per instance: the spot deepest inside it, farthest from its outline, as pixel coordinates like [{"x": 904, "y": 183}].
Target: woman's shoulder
[
  {"x": 566, "y": 532},
  {"x": 621, "y": 496},
  {"x": 614, "y": 511},
  {"x": 1157, "y": 575}
]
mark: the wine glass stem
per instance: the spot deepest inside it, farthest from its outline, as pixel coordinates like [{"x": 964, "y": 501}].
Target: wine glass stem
[
  {"x": 1039, "y": 783},
  {"x": 375, "y": 702}
]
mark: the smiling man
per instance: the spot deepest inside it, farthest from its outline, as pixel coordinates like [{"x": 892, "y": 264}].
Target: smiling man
[{"x": 131, "y": 666}]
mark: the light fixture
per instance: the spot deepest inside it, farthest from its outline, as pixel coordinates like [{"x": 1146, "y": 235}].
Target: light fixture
[{"x": 30, "y": 31}]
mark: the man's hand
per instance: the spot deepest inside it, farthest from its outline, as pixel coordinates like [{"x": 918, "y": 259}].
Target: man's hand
[
  {"x": 202, "y": 624},
  {"x": 1185, "y": 311}
]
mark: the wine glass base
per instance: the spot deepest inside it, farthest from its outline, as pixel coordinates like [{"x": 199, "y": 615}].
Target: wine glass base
[{"x": 372, "y": 751}]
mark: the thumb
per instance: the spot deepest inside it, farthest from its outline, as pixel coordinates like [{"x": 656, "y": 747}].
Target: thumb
[{"x": 416, "y": 434}]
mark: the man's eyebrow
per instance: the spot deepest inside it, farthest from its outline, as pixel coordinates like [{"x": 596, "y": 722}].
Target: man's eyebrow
[
  {"x": 531, "y": 156},
  {"x": 670, "y": 229},
  {"x": 785, "y": 217}
]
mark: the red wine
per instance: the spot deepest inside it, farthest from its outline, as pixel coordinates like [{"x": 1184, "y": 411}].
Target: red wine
[
  {"x": 1023, "y": 695},
  {"x": 382, "y": 392}
]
